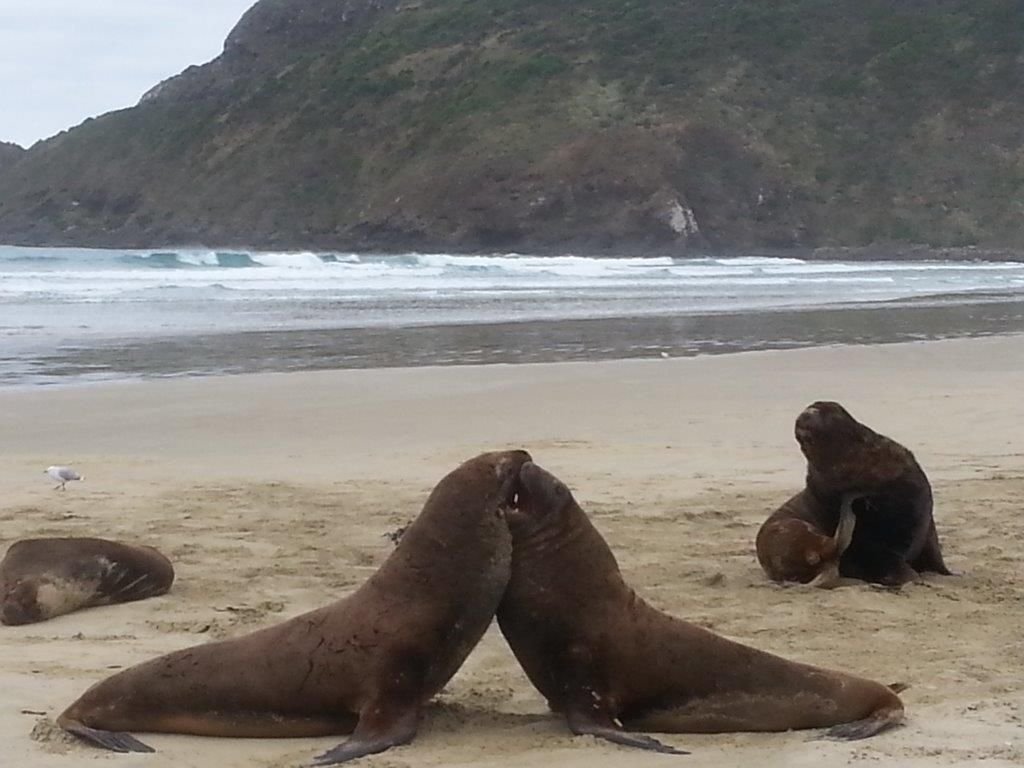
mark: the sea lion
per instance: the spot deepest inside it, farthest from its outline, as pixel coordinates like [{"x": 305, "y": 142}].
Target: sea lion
[
  {"x": 364, "y": 665},
  {"x": 43, "y": 578},
  {"x": 791, "y": 549},
  {"x": 611, "y": 663},
  {"x": 894, "y": 538}
]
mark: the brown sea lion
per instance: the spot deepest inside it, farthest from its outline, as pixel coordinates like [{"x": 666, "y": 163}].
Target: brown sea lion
[
  {"x": 791, "y": 549},
  {"x": 611, "y": 663},
  {"x": 43, "y": 578},
  {"x": 894, "y": 538},
  {"x": 364, "y": 665}
]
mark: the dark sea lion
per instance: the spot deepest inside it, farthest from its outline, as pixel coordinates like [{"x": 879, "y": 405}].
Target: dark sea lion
[
  {"x": 791, "y": 549},
  {"x": 894, "y": 538},
  {"x": 43, "y": 578},
  {"x": 364, "y": 665},
  {"x": 611, "y": 663}
]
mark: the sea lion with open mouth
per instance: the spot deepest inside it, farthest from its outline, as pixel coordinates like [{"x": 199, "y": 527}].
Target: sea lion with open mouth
[{"x": 612, "y": 664}]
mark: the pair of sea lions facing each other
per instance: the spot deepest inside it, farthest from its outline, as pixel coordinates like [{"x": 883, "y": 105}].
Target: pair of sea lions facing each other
[
  {"x": 44, "y": 578},
  {"x": 498, "y": 535},
  {"x": 865, "y": 513}
]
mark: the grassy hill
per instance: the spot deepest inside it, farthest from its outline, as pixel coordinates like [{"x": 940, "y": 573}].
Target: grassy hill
[{"x": 598, "y": 124}]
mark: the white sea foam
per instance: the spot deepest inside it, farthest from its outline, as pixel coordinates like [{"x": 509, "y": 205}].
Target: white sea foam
[
  {"x": 299, "y": 260},
  {"x": 140, "y": 292}
]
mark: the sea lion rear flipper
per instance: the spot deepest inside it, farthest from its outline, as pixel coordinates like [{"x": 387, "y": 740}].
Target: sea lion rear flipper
[
  {"x": 888, "y": 713},
  {"x": 584, "y": 724},
  {"x": 847, "y": 522},
  {"x": 829, "y": 576},
  {"x": 863, "y": 729},
  {"x": 379, "y": 728},
  {"x": 115, "y": 741}
]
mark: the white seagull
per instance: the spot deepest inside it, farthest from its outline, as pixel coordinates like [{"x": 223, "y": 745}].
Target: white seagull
[{"x": 62, "y": 475}]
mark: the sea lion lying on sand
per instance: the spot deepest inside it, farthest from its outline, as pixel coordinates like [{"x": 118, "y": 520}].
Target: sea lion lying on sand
[
  {"x": 894, "y": 537},
  {"x": 43, "y": 578},
  {"x": 612, "y": 664},
  {"x": 365, "y": 665}
]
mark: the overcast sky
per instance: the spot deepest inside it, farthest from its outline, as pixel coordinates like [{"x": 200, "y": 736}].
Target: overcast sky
[{"x": 62, "y": 61}]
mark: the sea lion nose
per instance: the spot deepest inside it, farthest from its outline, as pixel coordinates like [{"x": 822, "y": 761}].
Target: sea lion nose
[
  {"x": 809, "y": 417},
  {"x": 11, "y": 614}
]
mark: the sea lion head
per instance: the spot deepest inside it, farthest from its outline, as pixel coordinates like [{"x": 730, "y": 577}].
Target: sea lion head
[
  {"x": 541, "y": 497},
  {"x": 824, "y": 428},
  {"x": 18, "y": 604},
  {"x": 506, "y": 467}
]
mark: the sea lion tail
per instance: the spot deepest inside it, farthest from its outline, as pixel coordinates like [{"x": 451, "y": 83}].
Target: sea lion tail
[
  {"x": 847, "y": 522},
  {"x": 115, "y": 741},
  {"x": 888, "y": 715}
]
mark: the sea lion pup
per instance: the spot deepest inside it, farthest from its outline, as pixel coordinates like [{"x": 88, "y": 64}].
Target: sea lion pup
[
  {"x": 43, "y": 578},
  {"x": 894, "y": 538},
  {"x": 364, "y": 665},
  {"x": 791, "y": 549},
  {"x": 611, "y": 663}
]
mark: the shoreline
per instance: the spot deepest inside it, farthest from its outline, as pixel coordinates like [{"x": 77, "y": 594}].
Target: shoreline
[
  {"x": 514, "y": 342},
  {"x": 272, "y": 493}
]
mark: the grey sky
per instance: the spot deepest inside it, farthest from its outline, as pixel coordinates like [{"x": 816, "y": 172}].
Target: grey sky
[{"x": 62, "y": 61}]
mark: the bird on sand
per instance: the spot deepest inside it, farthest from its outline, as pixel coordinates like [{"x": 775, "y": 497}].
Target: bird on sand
[{"x": 62, "y": 475}]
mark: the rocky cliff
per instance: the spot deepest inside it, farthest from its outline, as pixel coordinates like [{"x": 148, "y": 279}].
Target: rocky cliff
[
  {"x": 595, "y": 124},
  {"x": 9, "y": 154}
]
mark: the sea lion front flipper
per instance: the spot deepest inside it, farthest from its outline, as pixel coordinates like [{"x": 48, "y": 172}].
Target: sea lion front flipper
[
  {"x": 584, "y": 724},
  {"x": 115, "y": 741},
  {"x": 379, "y": 728}
]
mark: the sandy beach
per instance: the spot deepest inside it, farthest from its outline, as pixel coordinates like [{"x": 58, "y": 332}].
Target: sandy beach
[{"x": 272, "y": 494}]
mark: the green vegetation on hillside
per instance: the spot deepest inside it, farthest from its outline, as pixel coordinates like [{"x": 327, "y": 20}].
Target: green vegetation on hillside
[{"x": 547, "y": 125}]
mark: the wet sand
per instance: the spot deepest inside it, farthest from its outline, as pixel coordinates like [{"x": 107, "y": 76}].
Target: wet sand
[
  {"x": 272, "y": 493},
  {"x": 536, "y": 341}
]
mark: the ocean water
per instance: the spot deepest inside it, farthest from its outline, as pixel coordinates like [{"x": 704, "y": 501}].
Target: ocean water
[{"x": 84, "y": 314}]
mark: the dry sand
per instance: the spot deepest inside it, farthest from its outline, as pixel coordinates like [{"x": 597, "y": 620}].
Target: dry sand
[{"x": 272, "y": 494}]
